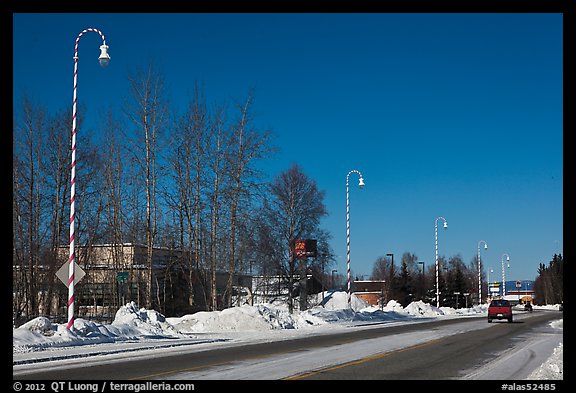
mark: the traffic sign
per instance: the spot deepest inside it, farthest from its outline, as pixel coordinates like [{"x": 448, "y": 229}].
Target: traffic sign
[
  {"x": 122, "y": 276},
  {"x": 62, "y": 273}
]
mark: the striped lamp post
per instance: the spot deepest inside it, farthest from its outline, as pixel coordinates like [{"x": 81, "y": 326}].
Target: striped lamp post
[
  {"x": 104, "y": 59},
  {"x": 504, "y": 274},
  {"x": 437, "y": 267},
  {"x": 361, "y": 184},
  {"x": 480, "y": 271}
]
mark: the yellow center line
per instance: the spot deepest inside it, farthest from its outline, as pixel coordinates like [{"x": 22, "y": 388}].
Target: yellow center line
[{"x": 360, "y": 361}]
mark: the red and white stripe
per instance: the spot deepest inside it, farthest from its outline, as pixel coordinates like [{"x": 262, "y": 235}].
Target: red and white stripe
[
  {"x": 504, "y": 274},
  {"x": 71, "y": 260},
  {"x": 480, "y": 272},
  {"x": 348, "y": 234},
  {"x": 437, "y": 268}
]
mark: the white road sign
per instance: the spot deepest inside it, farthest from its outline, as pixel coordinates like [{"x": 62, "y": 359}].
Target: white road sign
[{"x": 62, "y": 273}]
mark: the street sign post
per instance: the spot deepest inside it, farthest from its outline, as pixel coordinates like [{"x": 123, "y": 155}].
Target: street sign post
[
  {"x": 122, "y": 278},
  {"x": 62, "y": 273}
]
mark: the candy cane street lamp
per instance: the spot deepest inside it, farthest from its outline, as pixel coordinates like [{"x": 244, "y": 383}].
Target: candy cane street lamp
[
  {"x": 361, "y": 185},
  {"x": 504, "y": 273},
  {"x": 437, "y": 268},
  {"x": 480, "y": 271},
  {"x": 104, "y": 58},
  {"x": 489, "y": 292}
]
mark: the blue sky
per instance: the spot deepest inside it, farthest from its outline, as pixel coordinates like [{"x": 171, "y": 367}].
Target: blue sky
[{"x": 453, "y": 115}]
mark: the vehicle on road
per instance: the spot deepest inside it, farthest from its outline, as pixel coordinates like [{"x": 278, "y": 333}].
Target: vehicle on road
[{"x": 500, "y": 309}]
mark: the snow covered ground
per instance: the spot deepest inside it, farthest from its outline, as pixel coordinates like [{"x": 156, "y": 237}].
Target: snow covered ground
[{"x": 145, "y": 331}]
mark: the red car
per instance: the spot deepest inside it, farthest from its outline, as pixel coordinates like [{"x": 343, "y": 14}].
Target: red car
[{"x": 500, "y": 309}]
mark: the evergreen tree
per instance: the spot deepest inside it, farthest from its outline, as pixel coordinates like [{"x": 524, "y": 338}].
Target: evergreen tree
[
  {"x": 404, "y": 295},
  {"x": 548, "y": 286},
  {"x": 456, "y": 282}
]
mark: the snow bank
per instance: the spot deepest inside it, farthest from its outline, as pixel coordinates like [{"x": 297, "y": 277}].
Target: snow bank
[
  {"x": 130, "y": 323},
  {"x": 337, "y": 300},
  {"x": 244, "y": 318},
  {"x": 553, "y": 368},
  {"x": 40, "y": 333},
  {"x": 423, "y": 309},
  {"x": 134, "y": 323},
  {"x": 131, "y": 320}
]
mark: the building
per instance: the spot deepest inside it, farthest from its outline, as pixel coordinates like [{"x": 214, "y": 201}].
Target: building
[
  {"x": 267, "y": 289},
  {"x": 371, "y": 291},
  {"x": 520, "y": 296},
  {"x": 117, "y": 274}
]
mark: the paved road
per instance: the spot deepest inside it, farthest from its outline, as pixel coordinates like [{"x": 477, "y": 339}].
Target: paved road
[
  {"x": 439, "y": 359},
  {"x": 443, "y": 358}
]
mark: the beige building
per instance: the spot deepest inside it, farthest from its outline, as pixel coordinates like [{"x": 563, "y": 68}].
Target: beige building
[{"x": 116, "y": 274}]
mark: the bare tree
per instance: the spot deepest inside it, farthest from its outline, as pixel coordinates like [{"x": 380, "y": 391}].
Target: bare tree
[
  {"x": 383, "y": 269},
  {"x": 294, "y": 211},
  {"x": 57, "y": 166},
  {"x": 247, "y": 146},
  {"x": 148, "y": 111},
  {"x": 29, "y": 134},
  {"x": 189, "y": 163},
  {"x": 114, "y": 178},
  {"x": 220, "y": 144}
]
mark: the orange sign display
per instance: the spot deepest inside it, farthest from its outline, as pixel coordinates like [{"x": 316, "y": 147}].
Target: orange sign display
[{"x": 304, "y": 248}]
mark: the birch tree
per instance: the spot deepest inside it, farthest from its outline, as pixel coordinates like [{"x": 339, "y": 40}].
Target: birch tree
[
  {"x": 220, "y": 145},
  {"x": 114, "y": 179},
  {"x": 189, "y": 164},
  {"x": 148, "y": 111},
  {"x": 247, "y": 146},
  {"x": 29, "y": 137}
]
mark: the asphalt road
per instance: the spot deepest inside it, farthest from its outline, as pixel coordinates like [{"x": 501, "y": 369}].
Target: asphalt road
[{"x": 442, "y": 358}]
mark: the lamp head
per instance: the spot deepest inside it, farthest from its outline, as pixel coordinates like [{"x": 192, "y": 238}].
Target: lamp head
[
  {"x": 485, "y": 246},
  {"x": 507, "y": 258},
  {"x": 445, "y": 225},
  {"x": 104, "y": 56},
  {"x": 361, "y": 183}
]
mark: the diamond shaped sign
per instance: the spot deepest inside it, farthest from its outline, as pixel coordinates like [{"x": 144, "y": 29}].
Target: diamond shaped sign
[{"x": 62, "y": 273}]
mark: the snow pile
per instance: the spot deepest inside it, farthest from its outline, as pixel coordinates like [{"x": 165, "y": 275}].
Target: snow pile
[
  {"x": 338, "y": 300},
  {"x": 420, "y": 308},
  {"x": 131, "y": 320},
  {"x": 394, "y": 306},
  {"x": 40, "y": 333},
  {"x": 271, "y": 316},
  {"x": 244, "y": 318},
  {"x": 336, "y": 310},
  {"x": 133, "y": 323},
  {"x": 553, "y": 368},
  {"x": 130, "y": 323},
  {"x": 40, "y": 325}
]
